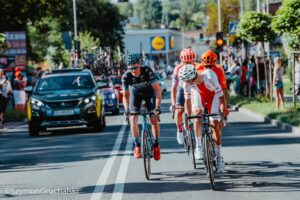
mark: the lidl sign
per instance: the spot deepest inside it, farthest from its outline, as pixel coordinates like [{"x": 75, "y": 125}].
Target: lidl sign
[{"x": 158, "y": 43}]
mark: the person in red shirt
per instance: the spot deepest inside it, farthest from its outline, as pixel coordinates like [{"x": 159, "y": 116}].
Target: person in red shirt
[{"x": 208, "y": 61}]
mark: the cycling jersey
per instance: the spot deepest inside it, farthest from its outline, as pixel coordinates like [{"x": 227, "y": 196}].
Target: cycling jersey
[
  {"x": 140, "y": 89},
  {"x": 208, "y": 92},
  {"x": 219, "y": 72}
]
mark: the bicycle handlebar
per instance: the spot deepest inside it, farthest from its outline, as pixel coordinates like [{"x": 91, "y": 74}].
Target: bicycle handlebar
[{"x": 203, "y": 115}]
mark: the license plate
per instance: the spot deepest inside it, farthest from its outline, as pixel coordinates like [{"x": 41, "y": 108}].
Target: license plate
[{"x": 63, "y": 112}]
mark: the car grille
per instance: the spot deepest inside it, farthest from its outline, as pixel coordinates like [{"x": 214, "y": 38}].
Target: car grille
[{"x": 64, "y": 104}]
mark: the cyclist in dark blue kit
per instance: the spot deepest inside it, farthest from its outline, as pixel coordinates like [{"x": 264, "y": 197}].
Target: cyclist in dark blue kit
[{"x": 139, "y": 84}]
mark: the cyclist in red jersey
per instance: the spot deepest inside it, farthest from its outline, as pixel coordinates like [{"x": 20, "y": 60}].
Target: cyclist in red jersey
[{"x": 187, "y": 56}]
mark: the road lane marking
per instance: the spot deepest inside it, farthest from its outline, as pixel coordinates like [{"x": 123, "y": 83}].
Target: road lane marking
[
  {"x": 121, "y": 177},
  {"x": 101, "y": 182}
]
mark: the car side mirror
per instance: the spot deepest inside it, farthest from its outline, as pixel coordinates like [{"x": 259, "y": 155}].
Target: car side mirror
[{"x": 28, "y": 89}]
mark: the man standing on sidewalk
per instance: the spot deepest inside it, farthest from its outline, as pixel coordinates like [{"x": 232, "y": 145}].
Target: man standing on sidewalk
[{"x": 5, "y": 88}]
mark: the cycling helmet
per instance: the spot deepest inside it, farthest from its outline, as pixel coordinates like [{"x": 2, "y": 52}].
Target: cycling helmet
[
  {"x": 209, "y": 58},
  {"x": 133, "y": 58},
  {"x": 187, "y": 55},
  {"x": 187, "y": 72}
]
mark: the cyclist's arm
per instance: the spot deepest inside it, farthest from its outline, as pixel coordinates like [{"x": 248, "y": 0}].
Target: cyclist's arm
[
  {"x": 187, "y": 97},
  {"x": 126, "y": 96},
  {"x": 174, "y": 88},
  {"x": 157, "y": 93}
]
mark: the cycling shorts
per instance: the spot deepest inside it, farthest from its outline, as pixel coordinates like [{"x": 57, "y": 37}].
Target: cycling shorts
[
  {"x": 180, "y": 97},
  {"x": 210, "y": 99},
  {"x": 136, "y": 99}
]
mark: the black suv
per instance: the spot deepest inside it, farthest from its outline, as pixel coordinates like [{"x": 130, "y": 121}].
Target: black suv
[{"x": 65, "y": 99}]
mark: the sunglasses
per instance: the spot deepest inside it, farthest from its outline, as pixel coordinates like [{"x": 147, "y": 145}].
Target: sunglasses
[{"x": 133, "y": 68}]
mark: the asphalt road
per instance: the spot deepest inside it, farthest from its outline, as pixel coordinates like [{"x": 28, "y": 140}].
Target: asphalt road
[{"x": 262, "y": 162}]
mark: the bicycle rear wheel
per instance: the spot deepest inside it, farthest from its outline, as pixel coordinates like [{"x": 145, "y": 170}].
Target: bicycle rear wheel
[
  {"x": 209, "y": 160},
  {"x": 146, "y": 155}
]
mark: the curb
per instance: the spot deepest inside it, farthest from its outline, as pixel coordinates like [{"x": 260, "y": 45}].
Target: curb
[{"x": 268, "y": 120}]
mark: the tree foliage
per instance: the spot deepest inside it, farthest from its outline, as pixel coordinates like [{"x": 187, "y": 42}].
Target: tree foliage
[
  {"x": 256, "y": 27},
  {"x": 87, "y": 41},
  {"x": 2, "y": 41},
  {"x": 126, "y": 9},
  {"x": 229, "y": 12},
  {"x": 149, "y": 11},
  {"x": 46, "y": 42},
  {"x": 287, "y": 21},
  {"x": 16, "y": 13}
]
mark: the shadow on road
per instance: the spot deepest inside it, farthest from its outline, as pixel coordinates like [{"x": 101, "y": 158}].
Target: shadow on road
[{"x": 260, "y": 177}]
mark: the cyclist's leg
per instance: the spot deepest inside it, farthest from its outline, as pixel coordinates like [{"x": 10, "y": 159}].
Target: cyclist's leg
[
  {"x": 213, "y": 107},
  {"x": 197, "y": 108},
  {"x": 150, "y": 104},
  {"x": 179, "y": 112},
  {"x": 135, "y": 102}
]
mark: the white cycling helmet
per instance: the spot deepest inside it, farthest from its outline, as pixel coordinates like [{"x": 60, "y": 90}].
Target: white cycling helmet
[{"x": 187, "y": 72}]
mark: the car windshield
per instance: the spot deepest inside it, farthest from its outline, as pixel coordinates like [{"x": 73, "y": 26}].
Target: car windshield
[{"x": 65, "y": 82}]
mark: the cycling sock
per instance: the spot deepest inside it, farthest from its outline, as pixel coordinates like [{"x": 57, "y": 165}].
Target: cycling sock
[
  {"x": 179, "y": 128},
  {"x": 218, "y": 150},
  {"x": 198, "y": 141},
  {"x": 136, "y": 141}
]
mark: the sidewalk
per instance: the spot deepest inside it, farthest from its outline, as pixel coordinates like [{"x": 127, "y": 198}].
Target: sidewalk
[
  {"x": 268, "y": 120},
  {"x": 10, "y": 126}
]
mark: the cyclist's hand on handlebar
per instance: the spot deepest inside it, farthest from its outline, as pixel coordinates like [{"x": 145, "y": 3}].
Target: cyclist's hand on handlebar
[
  {"x": 157, "y": 111},
  {"x": 172, "y": 108}
]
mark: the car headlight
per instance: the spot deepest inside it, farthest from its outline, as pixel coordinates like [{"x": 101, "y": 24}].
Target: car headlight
[
  {"x": 90, "y": 99},
  {"x": 36, "y": 102},
  {"x": 113, "y": 95}
]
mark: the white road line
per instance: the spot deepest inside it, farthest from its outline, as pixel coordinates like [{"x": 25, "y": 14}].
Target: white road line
[
  {"x": 119, "y": 185},
  {"x": 101, "y": 182}
]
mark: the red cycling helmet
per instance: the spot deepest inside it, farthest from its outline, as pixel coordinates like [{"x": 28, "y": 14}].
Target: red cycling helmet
[
  {"x": 209, "y": 58},
  {"x": 187, "y": 55}
]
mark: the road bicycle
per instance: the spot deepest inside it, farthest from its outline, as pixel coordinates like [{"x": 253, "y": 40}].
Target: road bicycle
[
  {"x": 208, "y": 144},
  {"x": 147, "y": 142},
  {"x": 189, "y": 141}
]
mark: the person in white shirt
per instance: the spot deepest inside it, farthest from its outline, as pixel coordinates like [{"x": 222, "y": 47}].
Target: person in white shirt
[
  {"x": 200, "y": 90},
  {"x": 5, "y": 89}
]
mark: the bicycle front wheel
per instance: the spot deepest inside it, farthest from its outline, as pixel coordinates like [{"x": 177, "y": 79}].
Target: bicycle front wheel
[
  {"x": 146, "y": 155},
  {"x": 192, "y": 147},
  {"x": 209, "y": 155}
]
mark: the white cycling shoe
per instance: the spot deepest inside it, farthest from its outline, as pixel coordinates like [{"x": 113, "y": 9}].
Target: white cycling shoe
[
  {"x": 220, "y": 164},
  {"x": 198, "y": 153},
  {"x": 179, "y": 137}
]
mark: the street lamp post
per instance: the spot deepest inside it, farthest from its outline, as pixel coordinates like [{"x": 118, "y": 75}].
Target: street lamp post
[{"x": 75, "y": 19}]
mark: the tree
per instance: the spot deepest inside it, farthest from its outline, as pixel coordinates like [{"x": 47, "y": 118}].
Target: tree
[
  {"x": 229, "y": 12},
  {"x": 256, "y": 27},
  {"x": 126, "y": 9},
  {"x": 2, "y": 41},
  {"x": 149, "y": 11},
  {"x": 99, "y": 17},
  {"x": 46, "y": 42},
  {"x": 16, "y": 13},
  {"x": 87, "y": 41},
  {"x": 286, "y": 22}
]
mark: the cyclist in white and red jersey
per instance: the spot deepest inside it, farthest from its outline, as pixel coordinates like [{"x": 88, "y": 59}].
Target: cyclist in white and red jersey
[
  {"x": 200, "y": 89},
  {"x": 187, "y": 56}
]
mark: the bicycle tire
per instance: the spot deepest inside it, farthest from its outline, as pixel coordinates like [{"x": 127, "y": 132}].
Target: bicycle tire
[
  {"x": 146, "y": 155},
  {"x": 209, "y": 160},
  {"x": 193, "y": 146}
]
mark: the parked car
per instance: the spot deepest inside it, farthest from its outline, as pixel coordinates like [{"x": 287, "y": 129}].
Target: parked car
[
  {"x": 118, "y": 86},
  {"x": 161, "y": 82},
  {"x": 109, "y": 94},
  {"x": 64, "y": 99}
]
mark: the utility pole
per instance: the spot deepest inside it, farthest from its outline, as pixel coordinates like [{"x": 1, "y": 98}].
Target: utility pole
[
  {"x": 76, "y": 42},
  {"x": 219, "y": 17},
  {"x": 244, "y": 56}
]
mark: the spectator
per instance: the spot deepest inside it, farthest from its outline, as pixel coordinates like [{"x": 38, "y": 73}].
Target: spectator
[
  {"x": 243, "y": 81},
  {"x": 5, "y": 89},
  {"x": 262, "y": 76},
  {"x": 20, "y": 83},
  {"x": 278, "y": 84},
  {"x": 297, "y": 75}
]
